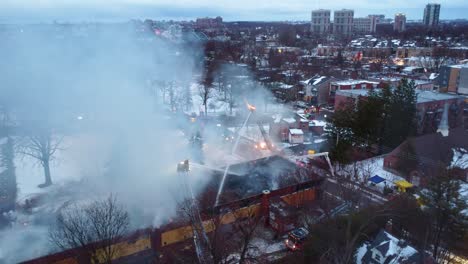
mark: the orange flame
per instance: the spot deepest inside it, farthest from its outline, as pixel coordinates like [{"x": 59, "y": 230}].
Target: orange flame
[{"x": 249, "y": 106}]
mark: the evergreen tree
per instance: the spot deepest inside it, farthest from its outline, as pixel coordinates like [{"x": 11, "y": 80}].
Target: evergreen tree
[
  {"x": 339, "y": 58},
  {"x": 368, "y": 119},
  {"x": 8, "y": 188},
  {"x": 385, "y": 117},
  {"x": 340, "y": 134},
  {"x": 446, "y": 209},
  {"x": 399, "y": 114}
]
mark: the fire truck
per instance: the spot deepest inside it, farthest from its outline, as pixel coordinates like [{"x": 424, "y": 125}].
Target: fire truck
[{"x": 296, "y": 238}]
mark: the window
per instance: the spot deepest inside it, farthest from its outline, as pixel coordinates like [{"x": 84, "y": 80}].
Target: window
[{"x": 376, "y": 256}]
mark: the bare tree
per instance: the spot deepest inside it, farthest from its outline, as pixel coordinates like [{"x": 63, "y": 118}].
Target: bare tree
[
  {"x": 205, "y": 94},
  {"x": 206, "y": 83},
  {"x": 91, "y": 230},
  {"x": 246, "y": 225},
  {"x": 440, "y": 55},
  {"x": 220, "y": 244},
  {"x": 42, "y": 147}
]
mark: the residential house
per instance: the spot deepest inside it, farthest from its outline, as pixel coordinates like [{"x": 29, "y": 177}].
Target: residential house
[
  {"x": 418, "y": 158},
  {"x": 386, "y": 249},
  {"x": 317, "y": 89},
  {"x": 279, "y": 128},
  {"x": 296, "y": 136}
]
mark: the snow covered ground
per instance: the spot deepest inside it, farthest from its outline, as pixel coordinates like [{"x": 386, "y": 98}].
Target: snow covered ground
[
  {"x": 460, "y": 158},
  {"x": 148, "y": 185},
  {"x": 67, "y": 170},
  {"x": 263, "y": 246},
  {"x": 215, "y": 105},
  {"x": 67, "y": 165},
  {"x": 371, "y": 167}
]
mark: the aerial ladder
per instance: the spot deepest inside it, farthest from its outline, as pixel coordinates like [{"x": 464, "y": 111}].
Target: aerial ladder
[
  {"x": 200, "y": 239},
  {"x": 327, "y": 158},
  {"x": 265, "y": 136}
]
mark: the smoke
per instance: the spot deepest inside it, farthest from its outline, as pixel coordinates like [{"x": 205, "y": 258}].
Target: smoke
[
  {"x": 93, "y": 88},
  {"x": 99, "y": 87}
]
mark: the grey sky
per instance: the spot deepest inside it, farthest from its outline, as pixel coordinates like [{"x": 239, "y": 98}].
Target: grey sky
[{"x": 47, "y": 10}]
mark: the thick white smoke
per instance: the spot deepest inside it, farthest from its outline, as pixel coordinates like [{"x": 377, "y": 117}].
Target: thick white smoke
[
  {"x": 94, "y": 90},
  {"x": 99, "y": 89}
]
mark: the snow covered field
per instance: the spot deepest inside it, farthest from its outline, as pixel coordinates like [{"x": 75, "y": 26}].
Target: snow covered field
[
  {"x": 70, "y": 164},
  {"x": 371, "y": 167},
  {"x": 82, "y": 172}
]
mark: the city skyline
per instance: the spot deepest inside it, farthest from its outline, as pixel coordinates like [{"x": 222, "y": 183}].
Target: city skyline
[{"x": 121, "y": 10}]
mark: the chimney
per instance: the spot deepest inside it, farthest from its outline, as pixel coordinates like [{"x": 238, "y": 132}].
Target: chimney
[
  {"x": 266, "y": 206},
  {"x": 443, "y": 126}
]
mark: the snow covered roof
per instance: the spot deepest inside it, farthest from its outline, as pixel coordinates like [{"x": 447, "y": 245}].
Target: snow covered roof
[
  {"x": 277, "y": 118},
  {"x": 427, "y": 96},
  {"x": 459, "y": 66},
  {"x": 460, "y": 158},
  {"x": 411, "y": 68},
  {"x": 289, "y": 120},
  {"x": 295, "y": 131},
  {"x": 317, "y": 123},
  {"x": 392, "y": 249},
  {"x": 354, "y": 82},
  {"x": 286, "y": 86},
  {"x": 422, "y": 96},
  {"x": 316, "y": 80}
]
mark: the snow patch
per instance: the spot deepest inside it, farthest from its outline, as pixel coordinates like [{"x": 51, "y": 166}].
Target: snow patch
[{"x": 460, "y": 158}]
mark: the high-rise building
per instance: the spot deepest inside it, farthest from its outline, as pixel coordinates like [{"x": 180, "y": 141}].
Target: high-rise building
[
  {"x": 320, "y": 22},
  {"x": 431, "y": 15},
  {"x": 365, "y": 24},
  {"x": 343, "y": 22},
  {"x": 209, "y": 22},
  {"x": 399, "y": 24},
  {"x": 379, "y": 18}
]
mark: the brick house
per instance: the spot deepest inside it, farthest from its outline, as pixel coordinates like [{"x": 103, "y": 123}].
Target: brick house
[
  {"x": 279, "y": 128},
  {"x": 429, "y": 105},
  {"x": 417, "y": 158},
  {"x": 336, "y": 86}
]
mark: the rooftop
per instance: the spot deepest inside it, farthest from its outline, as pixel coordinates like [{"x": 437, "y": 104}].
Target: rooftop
[
  {"x": 289, "y": 120},
  {"x": 459, "y": 66},
  {"x": 392, "y": 249},
  {"x": 295, "y": 131},
  {"x": 423, "y": 96},
  {"x": 249, "y": 179},
  {"x": 353, "y": 82}
]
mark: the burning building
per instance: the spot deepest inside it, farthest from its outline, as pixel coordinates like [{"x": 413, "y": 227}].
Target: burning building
[{"x": 271, "y": 188}]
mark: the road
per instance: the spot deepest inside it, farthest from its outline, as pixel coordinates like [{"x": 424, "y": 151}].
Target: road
[{"x": 365, "y": 196}]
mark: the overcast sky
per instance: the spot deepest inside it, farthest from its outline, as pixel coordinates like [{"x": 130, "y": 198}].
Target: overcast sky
[{"x": 88, "y": 10}]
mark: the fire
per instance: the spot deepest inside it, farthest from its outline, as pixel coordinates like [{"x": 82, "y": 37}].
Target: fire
[
  {"x": 261, "y": 145},
  {"x": 249, "y": 106}
]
